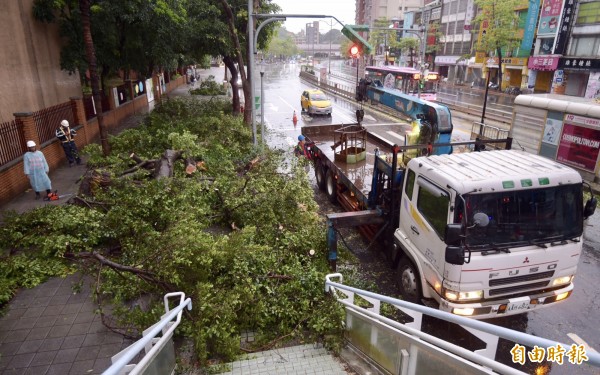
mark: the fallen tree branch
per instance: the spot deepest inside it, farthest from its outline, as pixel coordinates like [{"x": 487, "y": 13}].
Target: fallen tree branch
[{"x": 147, "y": 164}]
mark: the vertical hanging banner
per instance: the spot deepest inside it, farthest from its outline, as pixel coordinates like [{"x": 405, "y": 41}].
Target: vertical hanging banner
[
  {"x": 469, "y": 14},
  {"x": 566, "y": 19},
  {"x": 530, "y": 23}
]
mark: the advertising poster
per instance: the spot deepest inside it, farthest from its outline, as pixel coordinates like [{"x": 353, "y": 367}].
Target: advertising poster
[
  {"x": 549, "y": 17},
  {"x": 149, "y": 90},
  {"x": 552, "y": 131},
  {"x": 579, "y": 146},
  {"x": 593, "y": 87}
]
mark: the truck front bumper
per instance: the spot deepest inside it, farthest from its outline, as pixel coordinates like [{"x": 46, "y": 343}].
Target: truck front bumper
[{"x": 510, "y": 306}]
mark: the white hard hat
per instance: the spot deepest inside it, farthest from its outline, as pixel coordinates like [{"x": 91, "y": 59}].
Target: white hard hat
[
  {"x": 30, "y": 144},
  {"x": 65, "y": 123}
]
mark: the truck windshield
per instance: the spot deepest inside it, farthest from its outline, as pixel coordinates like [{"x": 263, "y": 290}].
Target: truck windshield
[{"x": 524, "y": 217}]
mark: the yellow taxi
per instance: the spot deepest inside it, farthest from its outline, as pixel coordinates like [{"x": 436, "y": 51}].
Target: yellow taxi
[{"x": 315, "y": 102}]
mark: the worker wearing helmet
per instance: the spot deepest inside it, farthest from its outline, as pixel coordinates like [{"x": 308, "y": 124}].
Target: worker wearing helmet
[
  {"x": 36, "y": 169},
  {"x": 301, "y": 148},
  {"x": 67, "y": 136}
]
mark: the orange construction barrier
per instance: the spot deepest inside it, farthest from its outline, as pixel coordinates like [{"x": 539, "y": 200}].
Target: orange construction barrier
[{"x": 295, "y": 119}]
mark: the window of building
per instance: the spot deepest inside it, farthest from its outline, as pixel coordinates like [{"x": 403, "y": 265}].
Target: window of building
[
  {"x": 584, "y": 45},
  {"x": 546, "y": 46},
  {"x": 453, "y": 7},
  {"x": 451, "y": 28},
  {"x": 588, "y": 13},
  {"x": 460, "y": 27},
  {"x": 462, "y": 5}
]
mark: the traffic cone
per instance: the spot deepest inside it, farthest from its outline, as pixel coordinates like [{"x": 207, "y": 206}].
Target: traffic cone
[{"x": 295, "y": 119}]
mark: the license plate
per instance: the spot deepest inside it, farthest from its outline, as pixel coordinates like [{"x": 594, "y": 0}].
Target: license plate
[{"x": 518, "y": 306}]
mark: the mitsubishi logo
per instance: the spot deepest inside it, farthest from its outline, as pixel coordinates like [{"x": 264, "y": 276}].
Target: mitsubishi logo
[{"x": 526, "y": 260}]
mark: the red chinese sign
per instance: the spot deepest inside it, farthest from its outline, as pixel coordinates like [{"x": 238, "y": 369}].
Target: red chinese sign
[
  {"x": 579, "y": 146},
  {"x": 543, "y": 62}
]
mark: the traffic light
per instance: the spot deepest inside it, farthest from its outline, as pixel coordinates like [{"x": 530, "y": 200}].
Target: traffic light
[
  {"x": 355, "y": 51},
  {"x": 351, "y": 32}
]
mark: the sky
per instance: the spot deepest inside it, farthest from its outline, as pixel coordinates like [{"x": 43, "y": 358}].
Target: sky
[{"x": 343, "y": 10}]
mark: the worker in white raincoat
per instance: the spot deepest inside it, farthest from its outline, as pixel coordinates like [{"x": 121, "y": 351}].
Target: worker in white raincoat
[{"x": 36, "y": 168}]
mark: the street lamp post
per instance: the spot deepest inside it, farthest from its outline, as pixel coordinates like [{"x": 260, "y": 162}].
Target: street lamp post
[
  {"x": 262, "y": 105},
  {"x": 330, "y": 37},
  {"x": 485, "y": 96}
]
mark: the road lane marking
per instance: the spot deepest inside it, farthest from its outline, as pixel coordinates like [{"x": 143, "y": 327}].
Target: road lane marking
[
  {"x": 288, "y": 104},
  {"x": 579, "y": 341},
  {"x": 394, "y": 134}
]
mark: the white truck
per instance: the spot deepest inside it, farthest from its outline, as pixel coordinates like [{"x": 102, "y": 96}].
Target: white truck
[{"x": 479, "y": 234}]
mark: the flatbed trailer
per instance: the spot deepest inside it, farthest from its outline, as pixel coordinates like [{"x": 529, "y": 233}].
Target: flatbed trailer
[{"x": 356, "y": 177}]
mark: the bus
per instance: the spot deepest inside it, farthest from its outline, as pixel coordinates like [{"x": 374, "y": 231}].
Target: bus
[{"x": 405, "y": 79}]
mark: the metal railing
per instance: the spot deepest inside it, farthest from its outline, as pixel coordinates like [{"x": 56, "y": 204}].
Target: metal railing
[
  {"x": 488, "y": 132},
  {"x": 159, "y": 355},
  {"x": 47, "y": 120},
  {"x": 402, "y": 348},
  {"x": 12, "y": 141}
]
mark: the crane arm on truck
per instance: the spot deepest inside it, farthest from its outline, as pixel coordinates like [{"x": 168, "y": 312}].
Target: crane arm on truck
[{"x": 432, "y": 122}]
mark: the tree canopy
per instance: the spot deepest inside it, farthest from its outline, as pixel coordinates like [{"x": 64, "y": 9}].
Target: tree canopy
[{"x": 499, "y": 21}]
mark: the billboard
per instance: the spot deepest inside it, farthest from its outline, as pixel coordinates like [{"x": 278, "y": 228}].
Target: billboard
[
  {"x": 579, "y": 146},
  {"x": 551, "y": 10}
]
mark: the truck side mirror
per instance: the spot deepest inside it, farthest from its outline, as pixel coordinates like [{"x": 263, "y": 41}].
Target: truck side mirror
[
  {"x": 590, "y": 207},
  {"x": 453, "y": 234},
  {"x": 455, "y": 255}
]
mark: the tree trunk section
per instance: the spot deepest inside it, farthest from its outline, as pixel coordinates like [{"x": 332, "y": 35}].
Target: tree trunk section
[
  {"x": 84, "y": 7},
  {"x": 229, "y": 64},
  {"x": 246, "y": 79},
  {"x": 164, "y": 167}
]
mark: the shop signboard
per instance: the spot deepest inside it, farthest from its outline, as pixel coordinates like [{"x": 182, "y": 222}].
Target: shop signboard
[
  {"x": 565, "y": 22},
  {"x": 579, "y": 145},
  {"x": 543, "y": 62},
  {"x": 551, "y": 10}
]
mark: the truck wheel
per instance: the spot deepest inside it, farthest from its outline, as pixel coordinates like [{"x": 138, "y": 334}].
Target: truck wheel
[
  {"x": 331, "y": 187},
  {"x": 409, "y": 280},
  {"x": 320, "y": 175}
]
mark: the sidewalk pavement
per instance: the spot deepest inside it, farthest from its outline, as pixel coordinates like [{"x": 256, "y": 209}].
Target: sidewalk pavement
[{"x": 53, "y": 328}]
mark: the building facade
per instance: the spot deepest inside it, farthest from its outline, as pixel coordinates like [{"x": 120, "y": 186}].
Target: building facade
[
  {"x": 558, "y": 51},
  {"x": 31, "y": 75}
]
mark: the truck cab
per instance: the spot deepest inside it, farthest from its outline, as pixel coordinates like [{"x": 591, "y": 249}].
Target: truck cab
[{"x": 487, "y": 234}]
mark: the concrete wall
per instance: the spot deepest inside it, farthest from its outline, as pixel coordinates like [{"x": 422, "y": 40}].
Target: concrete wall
[{"x": 30, "y": 76}]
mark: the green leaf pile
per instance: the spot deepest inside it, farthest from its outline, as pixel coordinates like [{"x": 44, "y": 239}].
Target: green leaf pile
[{"x": 234, "y": 236}]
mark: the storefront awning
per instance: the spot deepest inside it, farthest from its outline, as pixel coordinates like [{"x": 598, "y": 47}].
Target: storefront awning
[
  {"x": 473, "y": 65},
  {"x": 450, "y": 60}
]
